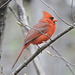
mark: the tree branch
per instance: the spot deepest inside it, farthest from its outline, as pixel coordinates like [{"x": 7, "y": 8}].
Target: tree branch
[
  {"x": 72, "y": 11},
  {"x": 4, "y": 4},
  {"x": 68, "y": 64},
  {"x": 23, "y": 20},
  {"x": 3, "y": 10},
  {"x": 26, "y": 62},
  {"x": 43, "y": 47},
  {"x": 55, "y": 12}
]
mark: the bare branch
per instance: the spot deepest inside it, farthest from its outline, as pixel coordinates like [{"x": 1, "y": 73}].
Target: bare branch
[
  {"x": 13, "y": 13},
  {"x": 5, "y": 4},
  {"x": 37, "y": 66},
  {"x": 72, "y": 8},
  {"x": 70, "y": 68},
  {"x": 72, "y": 12},
  {"x": 23, "y": 20},
  {"x": 55, "y": 12},
  {"x": 68, "y": 64},
  {"x": 40, "y": 50},
  {"x": 22, "y": 24},
  {"x": 62, "y": 56},
  {"x": 21, "y": 13}
]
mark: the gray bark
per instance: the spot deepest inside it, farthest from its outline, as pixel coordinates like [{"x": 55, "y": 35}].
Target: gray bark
[{"x": 3, "y": 8}]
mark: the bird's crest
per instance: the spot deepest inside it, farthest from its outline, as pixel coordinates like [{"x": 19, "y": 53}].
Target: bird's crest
[{"x": 46, "y": 14}]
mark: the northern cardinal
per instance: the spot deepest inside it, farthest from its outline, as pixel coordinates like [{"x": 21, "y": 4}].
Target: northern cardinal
[{"x": 46, "y": 25}]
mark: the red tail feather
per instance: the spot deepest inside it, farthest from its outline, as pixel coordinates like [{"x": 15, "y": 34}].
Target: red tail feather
[{"x": 20, "y": 54}]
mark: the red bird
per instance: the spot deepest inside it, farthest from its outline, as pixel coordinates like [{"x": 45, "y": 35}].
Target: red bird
[{"x": 46, "y": 25}]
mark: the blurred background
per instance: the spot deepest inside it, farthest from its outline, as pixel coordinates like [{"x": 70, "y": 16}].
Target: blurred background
[{"x": 13, "y": 38}]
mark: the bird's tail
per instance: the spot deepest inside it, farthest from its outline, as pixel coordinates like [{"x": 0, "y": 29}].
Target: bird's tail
[{"x": 25, "y": 46}]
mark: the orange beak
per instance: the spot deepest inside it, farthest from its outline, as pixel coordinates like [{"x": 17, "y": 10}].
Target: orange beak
[{"x": 54, "y": 20}]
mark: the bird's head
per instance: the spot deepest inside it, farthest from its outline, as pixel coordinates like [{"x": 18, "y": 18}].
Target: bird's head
[{"x": 48, "y": 18}]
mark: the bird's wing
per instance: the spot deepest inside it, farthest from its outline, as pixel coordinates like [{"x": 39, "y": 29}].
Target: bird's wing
[{"x": 33, "y": 34}]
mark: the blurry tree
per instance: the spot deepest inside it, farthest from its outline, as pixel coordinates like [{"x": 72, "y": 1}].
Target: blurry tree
[{"x": 3, "y": 9}]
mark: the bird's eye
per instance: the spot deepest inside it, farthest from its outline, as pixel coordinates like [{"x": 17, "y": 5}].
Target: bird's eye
[{"x": 51, "y": 18}]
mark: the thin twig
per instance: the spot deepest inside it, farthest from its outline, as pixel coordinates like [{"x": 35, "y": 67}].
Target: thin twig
[
  {"x": 19, "y": 19},
  {"x": 40, "y": 50},
  {"x": 5, "y": 4},
  {"x": 72, "y": 11},
  {"x": 21, "y": 22},
  {"x": 13, "y": 13},
  {"x": 64, "y": 59},
  {"x": 62, "y": 56},
  {"x": 72, "y": 8},
  {"x": 70, "y": 68},
  {"x": 55, "y": 12}
]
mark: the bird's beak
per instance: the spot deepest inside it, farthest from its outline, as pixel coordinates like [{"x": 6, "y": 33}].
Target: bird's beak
[{"x": 54, "y": 20}]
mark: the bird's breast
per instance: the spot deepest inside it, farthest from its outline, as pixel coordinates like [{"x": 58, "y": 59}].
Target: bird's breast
[{"x": 51, "y": 30}]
